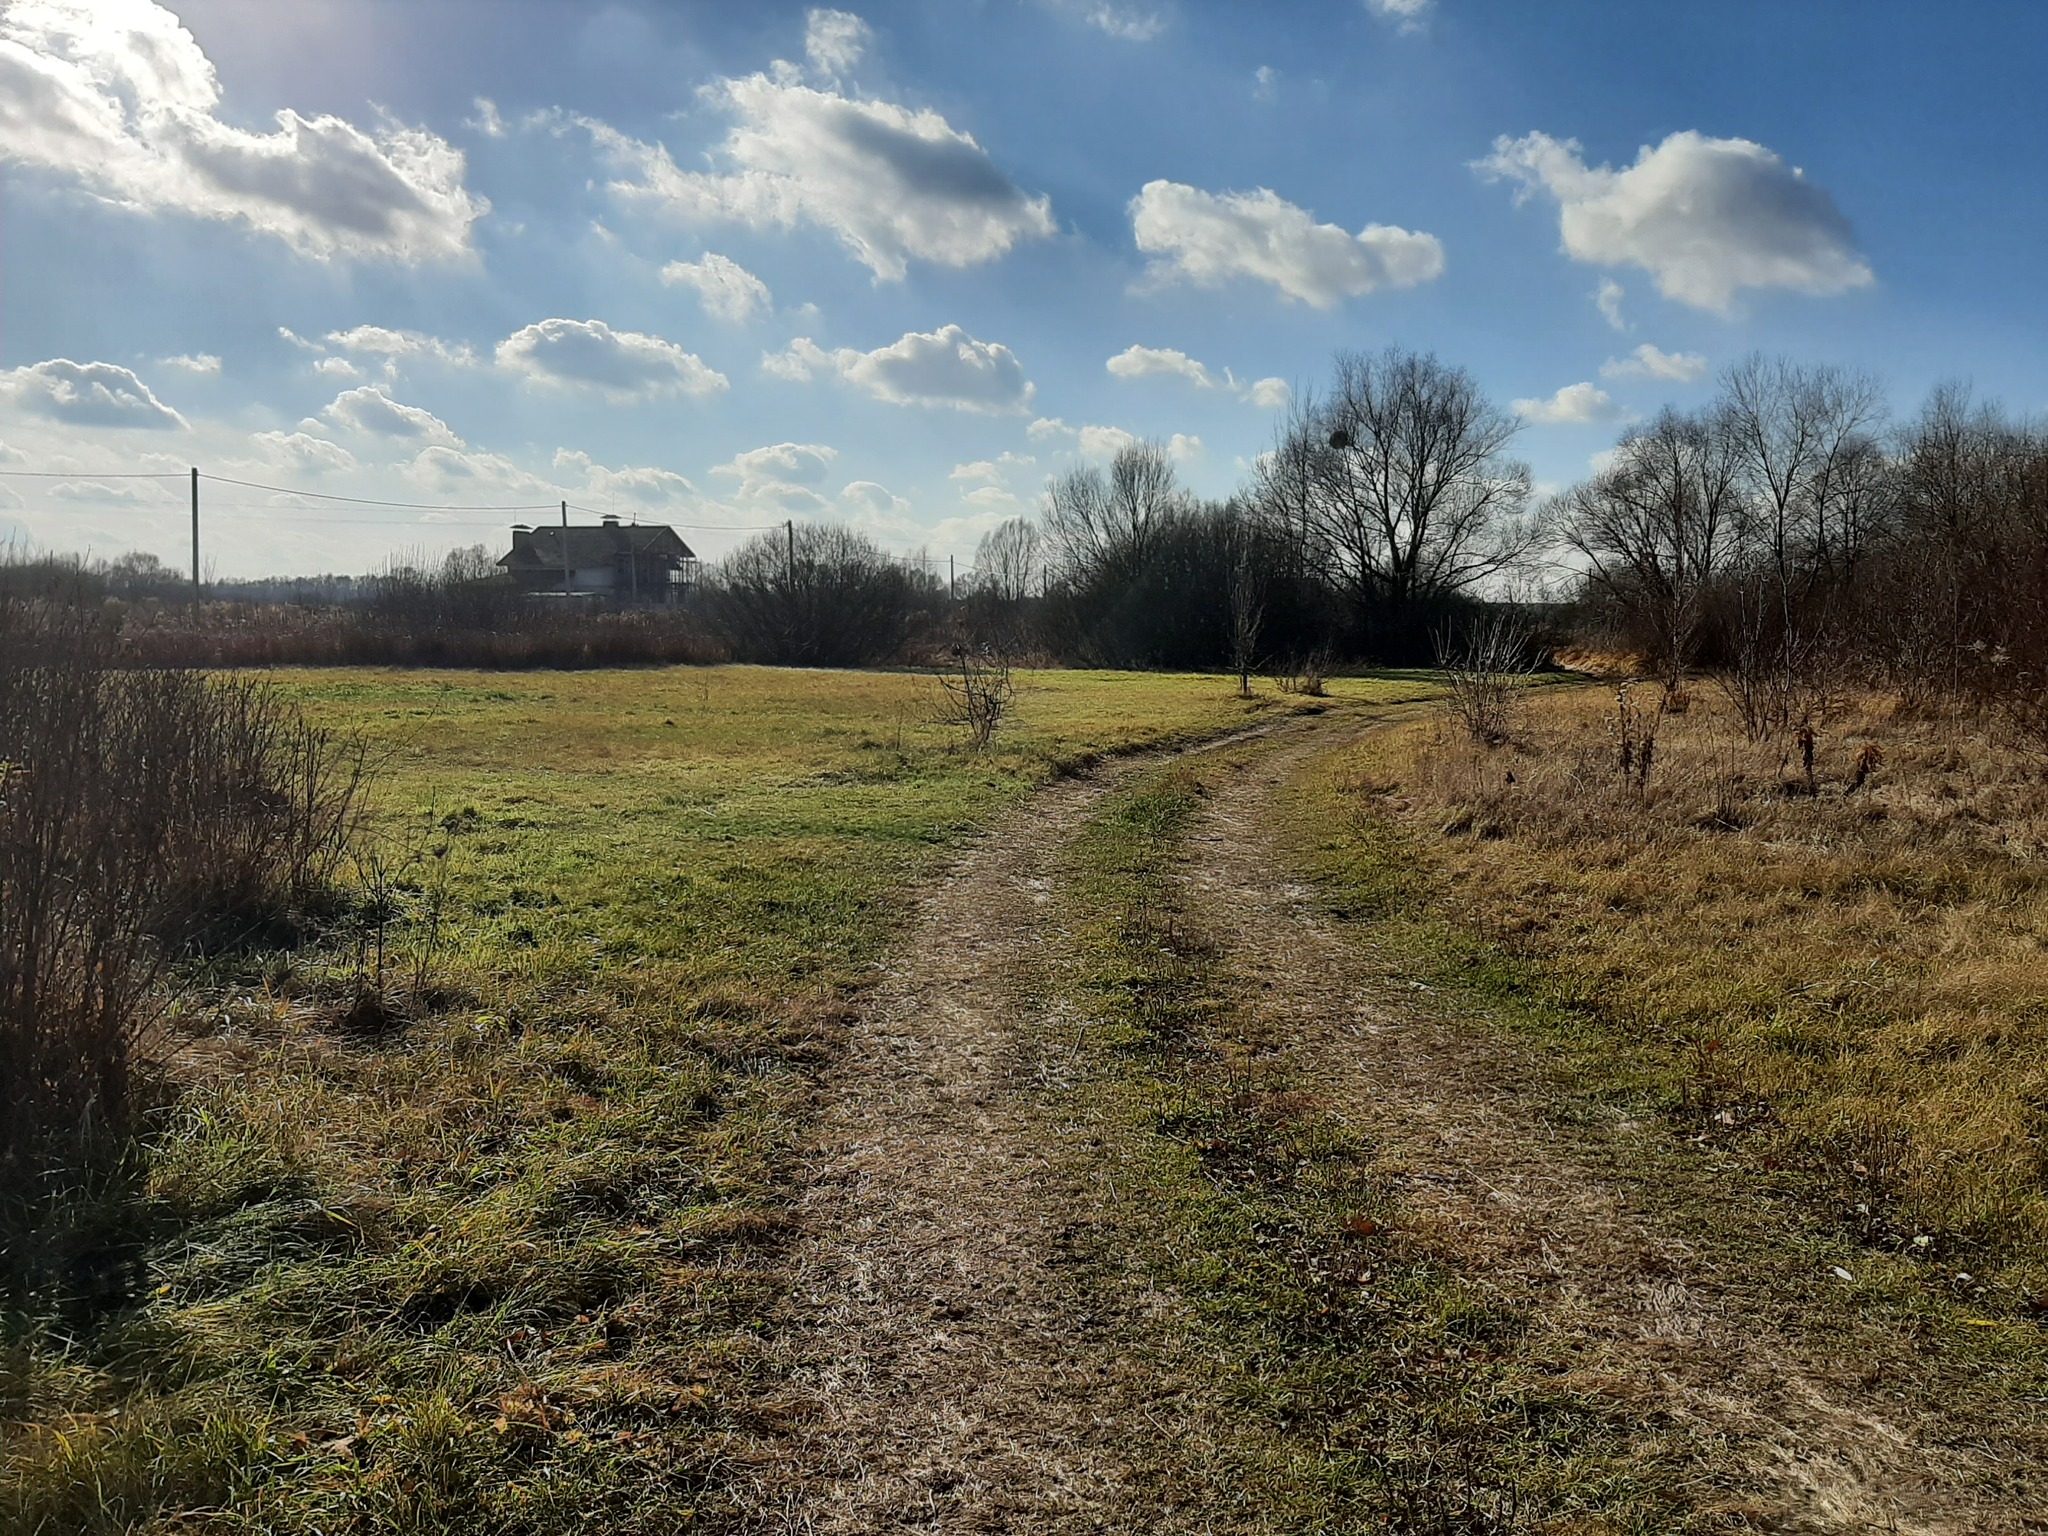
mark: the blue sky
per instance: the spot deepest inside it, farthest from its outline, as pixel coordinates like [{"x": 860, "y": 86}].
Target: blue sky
[{"x": 894, "y": 264}]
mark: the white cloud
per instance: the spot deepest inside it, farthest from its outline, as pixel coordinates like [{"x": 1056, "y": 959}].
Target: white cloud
[
  {"x": 621, "y": 365},
  {"x": 117, "y": 95},
  {"x": 1408, "y": 15},
  {"x": 98, "y": 493},
  {"x": 88, "y": 394},
  {"x": 645, "y": 484},
  {"x": 188, "y": 362},
  {"x": 1208, "y": 238},
  {"x": 1648, "y": 362},
  {"x": 486, "y": 121},
  {"x": 1608, "y": 297},
  {"x": 337, "y": 367},
  {"x": 869, "y": 502},
  {"x": 381, "y": 341},
  {"x": 1136, "y": 362},
  {"x": 1265, "y": 82},
  {"x": 992, "y": 472},
  {"x": 780, "y": 480},
  {"x": 727, "y": 289},
  {"x": 1273, "y": 394},
  {"x": 472, "y": 475},
  {"x": 946, "y": 367},
  {"x": 301, "y": 451},
  {"x": 835, "y": 41},
  {"x": 1705, "y": 217},
  {"x": 1101, "y": 442},
  {"x": 1574, "y": 404},
  {"x": 367, "y": 409},
  {"x": 893, "y": 183},
  {"x": 1127, "y": 22}
]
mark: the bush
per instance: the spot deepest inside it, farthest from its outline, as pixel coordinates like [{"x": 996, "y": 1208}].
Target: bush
[
  {"x": 143, "y": 812},
  {"x": 817, "y": 596}
]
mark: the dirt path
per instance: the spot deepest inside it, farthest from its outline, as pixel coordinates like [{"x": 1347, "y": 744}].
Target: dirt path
[
  {"x": 1625, "y": 1304},
  {"x": 948, "y": 1374},
  {"x": 955, "y": 1379}
]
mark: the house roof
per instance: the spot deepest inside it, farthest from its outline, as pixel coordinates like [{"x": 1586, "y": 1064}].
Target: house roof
[{"x": 541, "y": 549}]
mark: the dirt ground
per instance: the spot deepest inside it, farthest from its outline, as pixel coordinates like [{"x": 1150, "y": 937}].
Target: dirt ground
[{"x": 952, "y": 1374}]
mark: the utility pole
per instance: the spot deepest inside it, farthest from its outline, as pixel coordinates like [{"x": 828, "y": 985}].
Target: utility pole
[
  {"x": 951, "y": 595},
  {"x": 789, "y": 528},
  {"x": 195, "y": 533},
  {"x": 565, "y": 549}
]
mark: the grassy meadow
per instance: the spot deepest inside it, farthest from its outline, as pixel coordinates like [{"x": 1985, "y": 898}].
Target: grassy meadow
[
  {"x": 498, "y": 1261},
  {"x": 1827, "y": 986}
]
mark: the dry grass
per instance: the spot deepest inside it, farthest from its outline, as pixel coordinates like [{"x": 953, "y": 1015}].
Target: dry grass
[
  {"x": 505, "y": 1264},
  {"x": 1842, "y": 974}
]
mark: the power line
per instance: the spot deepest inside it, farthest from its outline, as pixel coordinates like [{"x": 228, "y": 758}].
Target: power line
[
  {"x": 86, "y": 474},
  {"x": 371, "y": 501}
]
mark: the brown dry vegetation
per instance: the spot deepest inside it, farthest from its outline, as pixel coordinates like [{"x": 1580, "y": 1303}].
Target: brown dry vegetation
[{"x": 1844, "y": 980}]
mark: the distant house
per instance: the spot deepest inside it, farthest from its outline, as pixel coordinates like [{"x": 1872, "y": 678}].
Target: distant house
[{"x": 641, "y": 564}]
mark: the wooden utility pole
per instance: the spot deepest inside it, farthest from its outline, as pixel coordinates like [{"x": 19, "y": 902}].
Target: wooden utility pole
[
  {"x": 951, "y": 595},
  {"x": 195, "y": 533},
  {"x": 789, "y": 528},
  {"x": 565, "y": 549}
]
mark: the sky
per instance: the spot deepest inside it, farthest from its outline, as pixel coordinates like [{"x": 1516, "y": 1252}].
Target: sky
[{"x": 720, "y": 265}]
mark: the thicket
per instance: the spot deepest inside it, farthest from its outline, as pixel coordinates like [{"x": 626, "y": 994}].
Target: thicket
[
  {"x": 146, "y": 814},
  {"x": 1793, "y": 543}
]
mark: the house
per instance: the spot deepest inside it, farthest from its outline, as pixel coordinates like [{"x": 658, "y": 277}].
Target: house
[{"x": 639, "y": 565}]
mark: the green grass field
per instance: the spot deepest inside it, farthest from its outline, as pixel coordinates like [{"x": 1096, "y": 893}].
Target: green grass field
[{"x": 503, "y": 1267}]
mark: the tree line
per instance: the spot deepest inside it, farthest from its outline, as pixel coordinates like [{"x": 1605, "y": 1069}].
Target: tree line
[{"x": 1789, "y": 536}]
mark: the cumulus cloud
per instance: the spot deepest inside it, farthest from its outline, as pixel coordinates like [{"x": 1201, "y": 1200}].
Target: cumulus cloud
[
  {"x": 1608, "y": 297},
  {"x": 1704, "y": 217},
  {"x": 895, "y": 184},
  {"x": 382, "y": 341},
  {"x": 189, "y": 362},
  {"x": 471, "y": 475},
  {"x": 1101, "y": 442},
  {"x": 367, "y": 409},
  {"x": 781, "y": 479},
  {"x": 87, "y": 394},
  {"x": 946, "y": 368},
  {"x": 869, "y": 502},
  {"x": 1648, "y": 362},
  {"x": 725, "y": 288},
  {"x": 1265, "y": 82},
  {"x": 1272, "y": 394},
  {"x": 992, "y": 472},
  {"x": 301, "y": 451},
  {"x": 1136, "y": 362},
  {"x": 1208, "y": 238},
  {"x": 337, "y": 367},
  {"x": 646, "y": 484},
  {"x": 118, "y": 96},
  {"x": 1408, "y": 15},
  {"x": 98, "y": 493},
  {"x": 1574, "y": 404},
  {"x": 835, "y": 41},
  {"x": 621, "y": 365}
]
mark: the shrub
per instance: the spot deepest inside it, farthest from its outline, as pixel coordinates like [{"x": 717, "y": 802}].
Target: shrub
[{"x": 143, "y": 812}]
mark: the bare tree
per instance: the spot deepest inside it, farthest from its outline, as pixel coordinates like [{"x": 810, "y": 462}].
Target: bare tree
[
  {"x": 1007, "y": 565},
  {"x": 1108, "y": 522},
  {"x": 1655, "y": 527},
  {"x": 1245, "y": 592},
  {"x": 1403, "y": 481},
  {"x": 1805, "y": 450}
]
